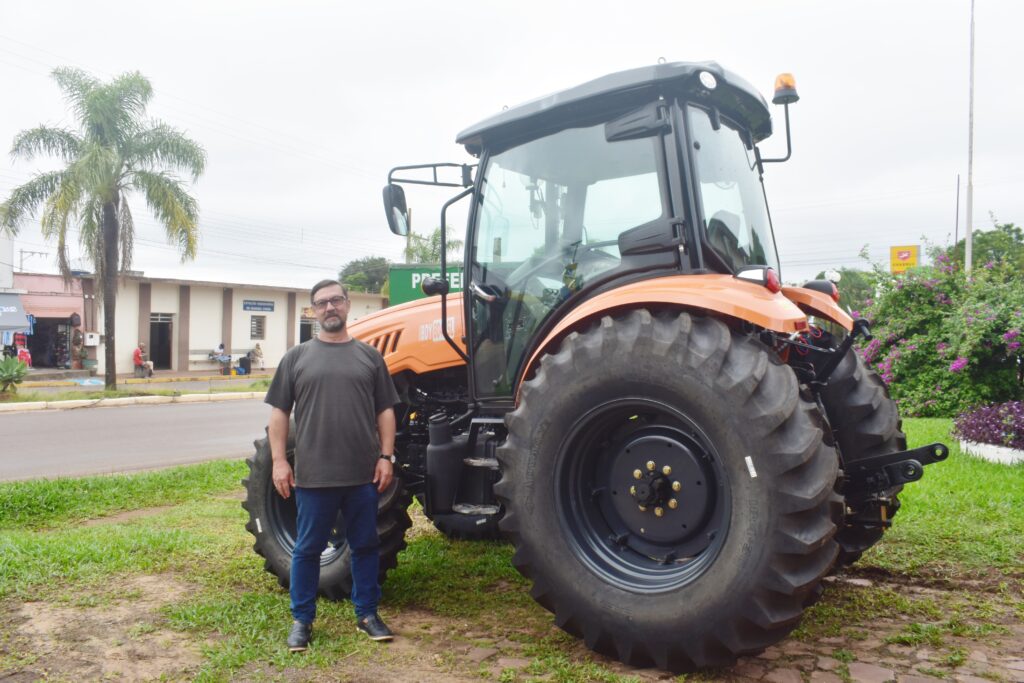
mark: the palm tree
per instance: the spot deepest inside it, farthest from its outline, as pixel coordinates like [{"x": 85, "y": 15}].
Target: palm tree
[
  {"x": 113, "y": 153},
  {"x": 427, "y": 248}
]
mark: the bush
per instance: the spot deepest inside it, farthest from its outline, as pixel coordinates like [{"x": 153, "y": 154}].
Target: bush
[
  {"x": 943, "y": 345},
  {"x": 1000, "y": 425},
  {"x": 12, "y": 372}
]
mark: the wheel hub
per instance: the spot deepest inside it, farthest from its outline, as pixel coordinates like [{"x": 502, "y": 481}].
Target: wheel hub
[{"x": 665, "y": 481}]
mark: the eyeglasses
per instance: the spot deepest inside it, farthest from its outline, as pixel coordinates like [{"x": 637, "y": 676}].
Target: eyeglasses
[{"x": 335, "y": 301}]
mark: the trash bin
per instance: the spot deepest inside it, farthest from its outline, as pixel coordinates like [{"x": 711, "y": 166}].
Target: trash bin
[{"x": 245, "y": 363}]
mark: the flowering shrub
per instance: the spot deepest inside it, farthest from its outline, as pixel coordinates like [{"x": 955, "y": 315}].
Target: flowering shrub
[
  {"x": 1001, "y": 425},
  {"x": 943, "y": 345}
]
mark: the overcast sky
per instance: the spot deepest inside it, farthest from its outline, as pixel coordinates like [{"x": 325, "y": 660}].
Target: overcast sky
[{"x": 304, "y": 106}]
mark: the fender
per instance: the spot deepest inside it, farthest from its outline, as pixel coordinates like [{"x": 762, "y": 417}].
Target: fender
[
  {"x": 409, "y": 337},
  {"x": 818, "y": 304},
  {"x": 722, "y": 294}
]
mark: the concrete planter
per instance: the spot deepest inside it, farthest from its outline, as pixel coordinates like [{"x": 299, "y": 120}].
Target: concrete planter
[{"x": 992, "y": 453}]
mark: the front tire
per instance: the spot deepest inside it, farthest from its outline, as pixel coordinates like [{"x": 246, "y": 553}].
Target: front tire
[
  {"x": 272, "y": 523},
  {"x": 726, "y": 569},
  {"x": 865, "y": 422}
]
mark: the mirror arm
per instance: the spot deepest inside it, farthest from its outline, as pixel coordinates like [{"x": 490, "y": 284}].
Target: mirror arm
[
  {"x": 444, "y": 271},
  {"x": 789, "y": 145}
]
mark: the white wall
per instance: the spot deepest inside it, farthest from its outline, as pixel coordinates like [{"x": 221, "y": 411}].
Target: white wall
[
  {"x": 276, "y": 324},
  {"x": 6, "y": 263},
  {"x": 206, "y": 305},
  {"x": 126, "y": 326}
]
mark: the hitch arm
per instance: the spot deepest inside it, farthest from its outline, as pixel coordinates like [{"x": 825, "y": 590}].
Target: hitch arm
[
  {"x": 882, "y": 472},
  {"x": 861, "y": 328}
]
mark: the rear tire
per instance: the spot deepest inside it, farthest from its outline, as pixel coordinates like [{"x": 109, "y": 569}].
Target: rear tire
[
  {"x": 272, "y": 522},
  {"x": 865, "y": 422},
  {"x": 729, "y": 567}
]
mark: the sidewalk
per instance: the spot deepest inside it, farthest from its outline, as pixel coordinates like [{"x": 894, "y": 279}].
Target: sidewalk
[{"x": 55, "y": 377}]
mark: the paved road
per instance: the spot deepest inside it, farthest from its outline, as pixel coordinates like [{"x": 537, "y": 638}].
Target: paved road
[{"x": 71, "y": 443}]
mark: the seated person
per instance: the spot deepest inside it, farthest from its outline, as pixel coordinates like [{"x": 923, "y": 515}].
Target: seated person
[
  {"x": 219, "y": 355},
  {"x": 140, "y": 359}
]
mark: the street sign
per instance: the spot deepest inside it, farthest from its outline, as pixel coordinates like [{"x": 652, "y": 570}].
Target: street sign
[
  {"x": 902, "y": 259},
  {"x": 405, "y": 281}
]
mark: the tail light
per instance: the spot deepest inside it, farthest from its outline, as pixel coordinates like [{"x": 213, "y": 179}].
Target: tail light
[{"x": 763, "y": 275}]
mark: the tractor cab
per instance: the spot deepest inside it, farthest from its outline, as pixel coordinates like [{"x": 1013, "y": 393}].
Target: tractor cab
[{"x": 637, "y": 175}]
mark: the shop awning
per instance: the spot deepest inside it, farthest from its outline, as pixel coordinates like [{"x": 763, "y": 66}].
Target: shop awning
[
  {"x": 12, "y": 314},
  {"x": 52, "y": 305}
]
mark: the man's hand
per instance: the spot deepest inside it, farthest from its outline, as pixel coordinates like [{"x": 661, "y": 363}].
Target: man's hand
[
  {"x": 284, "y": 479},
  {"x": 383, "y": 475}
]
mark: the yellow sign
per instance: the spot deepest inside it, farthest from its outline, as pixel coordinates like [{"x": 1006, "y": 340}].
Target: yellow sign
[{"x": 901, "y": 259}]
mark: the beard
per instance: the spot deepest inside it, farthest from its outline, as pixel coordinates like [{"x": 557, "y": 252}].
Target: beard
[{"x": 333, "y": 323}]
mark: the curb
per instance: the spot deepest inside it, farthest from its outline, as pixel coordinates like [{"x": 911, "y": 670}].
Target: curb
[
  {"x": 28, "y": 384},
  {"x": 128, "y": 401}
]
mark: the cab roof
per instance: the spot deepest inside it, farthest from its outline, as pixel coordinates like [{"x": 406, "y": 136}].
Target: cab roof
[{"x": 617, "y": 92}]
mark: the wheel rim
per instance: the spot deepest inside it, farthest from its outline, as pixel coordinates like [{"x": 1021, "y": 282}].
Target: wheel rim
[
  {"x": 283, "y": 524},
  {"x": 642, "y": 495}
]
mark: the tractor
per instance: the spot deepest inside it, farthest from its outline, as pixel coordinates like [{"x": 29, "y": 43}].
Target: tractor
[{"x": 679, "y": 446}]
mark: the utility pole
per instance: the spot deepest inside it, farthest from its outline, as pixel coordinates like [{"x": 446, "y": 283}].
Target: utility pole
[{"x": 969, "y": 227}]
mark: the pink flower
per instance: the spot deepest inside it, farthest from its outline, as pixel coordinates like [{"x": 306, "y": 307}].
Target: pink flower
[
  {"x": 958, "y": 365},
  {"x": 1011, "y": 335},
  {"x": 1013, "y": 346}
]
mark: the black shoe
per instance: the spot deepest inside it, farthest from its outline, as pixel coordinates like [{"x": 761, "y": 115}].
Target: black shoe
[
  {"x": 298, "y": 638},
  {"x": 374, "y": 628}
]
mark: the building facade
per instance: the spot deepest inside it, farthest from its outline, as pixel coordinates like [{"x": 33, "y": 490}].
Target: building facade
[{"x": 180, "y": 321}]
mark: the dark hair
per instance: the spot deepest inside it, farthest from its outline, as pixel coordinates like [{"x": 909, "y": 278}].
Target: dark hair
[{"x": 326, "y": 283}]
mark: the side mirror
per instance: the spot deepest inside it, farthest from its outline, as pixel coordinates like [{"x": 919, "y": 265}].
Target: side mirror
[{"x": 395, "y": 209}]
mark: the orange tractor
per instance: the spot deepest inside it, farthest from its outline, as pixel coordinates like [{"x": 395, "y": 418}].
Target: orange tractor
[{"x": 679, "y": 447}]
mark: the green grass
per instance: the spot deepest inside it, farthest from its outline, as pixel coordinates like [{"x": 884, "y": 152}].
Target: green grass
[
  {"x": 965, "y": 515},
  {"x": 963, "y": 519},
  {"x": 42, "y": 503}
]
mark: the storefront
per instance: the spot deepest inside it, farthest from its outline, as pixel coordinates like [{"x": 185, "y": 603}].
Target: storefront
[
  {"x": 56, "y": 309},
  {"x": 14, "y": 324}
]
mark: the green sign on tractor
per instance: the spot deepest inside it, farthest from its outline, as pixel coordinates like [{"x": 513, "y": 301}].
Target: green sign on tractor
[{"x": 405, "y": 281}]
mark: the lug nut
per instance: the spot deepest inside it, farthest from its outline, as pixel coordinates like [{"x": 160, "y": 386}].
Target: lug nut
[
  {"x": 632, "y": 490},
  {"x": 677, "y": 487},
  {"x": 637, "y": 474},
  {"x": 673, "y": 503},
  {"x": 666, "y": 470},
  {"x": 658, "y": 512},
  {"x": 643, "y": 508},
  {"x": 651, "y": 465}
]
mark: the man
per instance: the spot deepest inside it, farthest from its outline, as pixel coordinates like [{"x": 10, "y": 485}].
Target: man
[
  {"x": 345, "y": 435},
  {"x": 143, "y": 366}
]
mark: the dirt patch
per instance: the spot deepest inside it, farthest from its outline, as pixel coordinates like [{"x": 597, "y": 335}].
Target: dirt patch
[
  {"x": 127, "y": 516},
  {"x": 127, "y": 640}
]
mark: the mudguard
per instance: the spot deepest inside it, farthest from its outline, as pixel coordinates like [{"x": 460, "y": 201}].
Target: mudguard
[
  {"x": 818, "y": 304},
  {"x": 721, "y": 294}
]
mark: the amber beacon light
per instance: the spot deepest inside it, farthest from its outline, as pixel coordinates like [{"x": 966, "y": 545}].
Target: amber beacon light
[{"x": 785, "y": 89}]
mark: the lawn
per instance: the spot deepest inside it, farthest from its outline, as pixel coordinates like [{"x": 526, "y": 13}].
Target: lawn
[{"x": 75, "y": 547}]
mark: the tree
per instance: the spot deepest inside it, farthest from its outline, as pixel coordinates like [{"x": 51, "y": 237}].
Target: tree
[
  {"x": 427, "y": 248},
  {"x": 856, "y": 288},
  {"x": 113, "y": 153},
  {"x": 1004, "y": 243},
  {"x": 367, "y": 274}
]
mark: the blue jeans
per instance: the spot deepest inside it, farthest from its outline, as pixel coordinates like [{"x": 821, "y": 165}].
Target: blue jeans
[{"x": 318, "y": 510}]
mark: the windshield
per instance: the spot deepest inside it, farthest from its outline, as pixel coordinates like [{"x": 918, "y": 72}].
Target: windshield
[
  {"x": 551, "y": 214},
  {"x": 736, "y": 225}
]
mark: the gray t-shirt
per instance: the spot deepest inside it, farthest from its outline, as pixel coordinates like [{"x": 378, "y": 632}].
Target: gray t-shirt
[{"x": 337, "y": 391}]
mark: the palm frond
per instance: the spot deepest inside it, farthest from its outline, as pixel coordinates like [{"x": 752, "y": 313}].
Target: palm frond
[
  {"x": 127, "y": 236},
  {"x": 60, "y": 212},
  {"x": 77, "y": 86},
  {"x": 162, "y": 145},
  {"x": 90, "y": 237},
  {"x": 58, "y": 142},
  {"x": 173, "y": 207},
  {"x": 25, "y": 199},
  {"x": 98, "y": 168}
]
